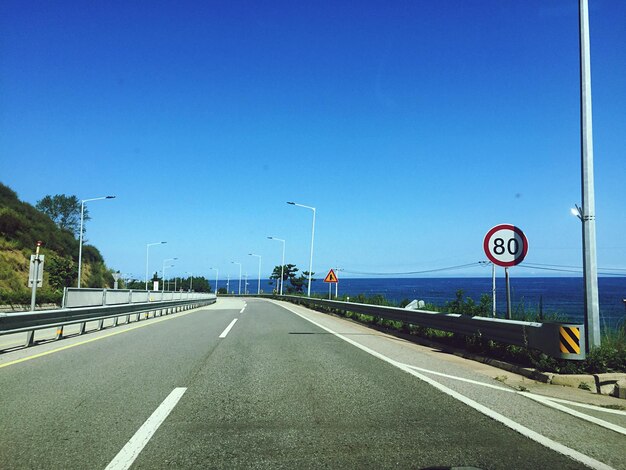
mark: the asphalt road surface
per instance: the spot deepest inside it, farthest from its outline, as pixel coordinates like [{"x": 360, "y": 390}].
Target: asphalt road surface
[{"x": 250, "y": 383}]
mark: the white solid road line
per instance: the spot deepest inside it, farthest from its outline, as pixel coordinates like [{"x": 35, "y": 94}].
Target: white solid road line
[
  {"x": 548, "y": 401},
  {"x": 461, "y": 379},
  {"x": 589, "y": 407},
  {"x": 592, "y": 419},
  {"x": 125, "y": 458},
  {"x": 228, "y": 328},
  {"x": 523, "y": 430}
]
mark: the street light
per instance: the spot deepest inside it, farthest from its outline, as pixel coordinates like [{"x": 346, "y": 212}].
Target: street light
[
  {"x": 190, "y": 280},
  {"x": 163, "y": 271},
  {"x": 312, "y": 239},
  {"x": 80, "y": 236},
  {"x": 282, "y": 265},
  {"x": 239, "y": 291},
  {"x": 148, "y": 256},
  {"x": 258, "y": 289},
  {"x": 217, "y": 273}
]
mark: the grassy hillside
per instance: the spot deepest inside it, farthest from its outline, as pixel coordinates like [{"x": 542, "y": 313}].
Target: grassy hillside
[{"x": 21, "y": 226}]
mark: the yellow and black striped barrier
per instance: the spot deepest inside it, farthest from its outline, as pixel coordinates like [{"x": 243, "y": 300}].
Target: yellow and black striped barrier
[
  {"x": 571, "y": 342},
  {"x": 569, "y": 337}
]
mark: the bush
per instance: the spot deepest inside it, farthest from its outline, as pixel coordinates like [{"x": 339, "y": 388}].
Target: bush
[
  {"x": 466, "y": 306},
  {"x": 10, "y": 221}
]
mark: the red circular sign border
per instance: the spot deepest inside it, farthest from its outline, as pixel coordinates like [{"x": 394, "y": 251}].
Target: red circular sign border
[{"x": 516, "y": 230}]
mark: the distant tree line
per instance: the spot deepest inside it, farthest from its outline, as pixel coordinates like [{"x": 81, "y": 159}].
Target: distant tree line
[{"x": 198, "y": 284}]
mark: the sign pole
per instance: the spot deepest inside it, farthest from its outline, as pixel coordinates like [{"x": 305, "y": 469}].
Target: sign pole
[
  {"x": 493, "y": 290},
  {"x": 505, "y": 245},
  {"x": 508, "y": 293},
  {"x": 33, "y": 296},
  {"x": 30, "y": 336},
  {"x": 331, "y": 278}
]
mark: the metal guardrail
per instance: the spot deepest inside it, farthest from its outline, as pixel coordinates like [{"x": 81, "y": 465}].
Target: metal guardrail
[
  {"x": 75, "y": 297},
  {"x": 561, "y": 340},
  {"x": 29, "y": 322}
]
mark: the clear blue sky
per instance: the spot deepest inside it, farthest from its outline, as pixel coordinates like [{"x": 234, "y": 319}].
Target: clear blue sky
[{"x": 412, "y": 126}]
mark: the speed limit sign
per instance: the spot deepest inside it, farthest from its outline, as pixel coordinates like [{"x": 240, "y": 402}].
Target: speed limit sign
[{"x": 505, "y": 245}]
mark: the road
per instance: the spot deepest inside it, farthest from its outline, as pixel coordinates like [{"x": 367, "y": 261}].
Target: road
[{"x": 251, "y": 383}]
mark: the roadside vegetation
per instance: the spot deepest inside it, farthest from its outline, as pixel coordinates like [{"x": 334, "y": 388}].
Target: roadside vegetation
[
  {"x": 54, "y": 222},
  {"x": 610, "y": 357}
]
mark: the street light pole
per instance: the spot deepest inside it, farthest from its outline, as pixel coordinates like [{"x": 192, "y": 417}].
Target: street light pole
[
  {"x": 258, "y": 289},
  {"x": 163, "y": 271},
  {"x": 148, "y": 256},
  {"x": 337, "y": 283},
  {"x": 163, "y": 286},
  {"x": 590, "y": 264},
  {"x": 217, "y": 273},
  {"x": 80, "y": 235},
  {"x": 312, "y": 240},
  {"x": 239, "y": 291},
  {"x": 282, "y": 265}
]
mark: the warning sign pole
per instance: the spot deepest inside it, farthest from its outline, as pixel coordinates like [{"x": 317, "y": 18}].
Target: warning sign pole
[{"x": 331, "y": 278}]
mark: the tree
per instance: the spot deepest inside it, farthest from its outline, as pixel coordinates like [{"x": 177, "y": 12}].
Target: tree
[
  {"x": 64, "y": 211},
  {"x": 62, "y": 272},
  {"x": 289, "y": 272},
  {"x": 296, "y": 283}
]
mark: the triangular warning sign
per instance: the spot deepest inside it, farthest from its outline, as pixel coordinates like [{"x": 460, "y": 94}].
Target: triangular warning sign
[{"x": 331, "y": 277}]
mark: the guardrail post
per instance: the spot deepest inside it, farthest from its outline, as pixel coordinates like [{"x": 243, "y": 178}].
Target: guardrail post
[
  {"x": 30, "y": 338},
  {"x": 59, "y": 334},
  {"x": 81, "y": 330}
]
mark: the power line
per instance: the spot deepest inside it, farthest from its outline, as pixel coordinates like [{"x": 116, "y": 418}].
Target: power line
[
  {"x": 575, "y": 271},
  {"x": 449, "y": 268},
  {"x": 576, "y": 267},
  {"x": 539, "y": 266}
]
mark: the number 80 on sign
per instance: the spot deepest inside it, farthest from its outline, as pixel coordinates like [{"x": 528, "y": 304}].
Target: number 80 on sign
[{"x": 505, "y": 245}]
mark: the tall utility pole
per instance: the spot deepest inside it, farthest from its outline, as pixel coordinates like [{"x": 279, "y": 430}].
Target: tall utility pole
[
  {"x": 148, "y": 245},
  {"x": 258, "y": 291},
  {"x": 282, "y": 266},
  {"x": 312, "y": 240},
  {"x": 588, "y": 217},
  {"x": 80, "y": 235}
]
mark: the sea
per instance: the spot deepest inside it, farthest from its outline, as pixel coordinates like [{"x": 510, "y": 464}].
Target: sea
[{"x": 562, "y": 296}]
